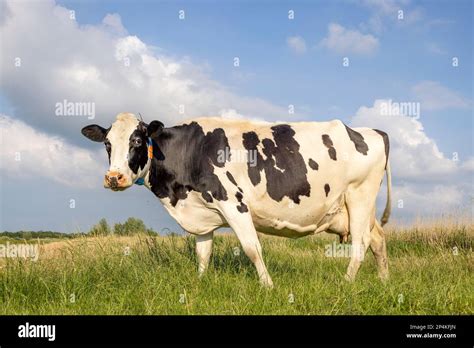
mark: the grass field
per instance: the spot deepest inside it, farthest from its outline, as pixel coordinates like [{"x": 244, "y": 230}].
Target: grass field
[{"x": 431, "y": 272}]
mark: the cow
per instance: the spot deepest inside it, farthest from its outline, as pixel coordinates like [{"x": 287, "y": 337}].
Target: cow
[{"x": 294, "y": 179}]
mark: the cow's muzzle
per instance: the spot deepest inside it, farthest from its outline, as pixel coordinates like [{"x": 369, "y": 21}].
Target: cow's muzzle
[{"x": 115, "y": 181}]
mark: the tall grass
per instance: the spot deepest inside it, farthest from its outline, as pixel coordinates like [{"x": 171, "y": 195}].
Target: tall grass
[{"x": 431, "y": 272}]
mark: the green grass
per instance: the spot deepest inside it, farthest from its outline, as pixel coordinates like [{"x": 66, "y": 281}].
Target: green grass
[{"x": 426, "y": 277}]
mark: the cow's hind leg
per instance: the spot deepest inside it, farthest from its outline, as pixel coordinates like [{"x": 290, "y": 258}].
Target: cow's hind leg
[
  {"x": 378, "y": 247},
  {"x": 244, "y": 228},
  {"x": 203, "y": 251},
  {"x": 360, "y": 204}
]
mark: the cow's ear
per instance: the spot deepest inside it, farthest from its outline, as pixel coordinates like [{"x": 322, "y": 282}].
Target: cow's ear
[
  {"x": 95, "y": 132},
  {"x": 154, "y": 128}
]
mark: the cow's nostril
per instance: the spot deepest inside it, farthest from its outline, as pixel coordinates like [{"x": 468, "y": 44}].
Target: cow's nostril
[{"x": 119, "y": 177}]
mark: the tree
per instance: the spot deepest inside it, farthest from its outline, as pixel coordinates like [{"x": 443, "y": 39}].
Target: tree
[
  {"x": 129, "y": 227},
  {"x": 100, "y": 229}
]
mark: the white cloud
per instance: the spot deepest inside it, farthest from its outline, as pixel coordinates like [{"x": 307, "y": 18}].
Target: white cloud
[
  {"x": 434, "y": 96},
  {"x": 102, "y": 64},
  {"x": 345, "y": 41},
  {"x": 426, "y": 180},
  {"x": 113, "y": 22},
  {"x": 297, "y": 44},
  {"x": 386, "y": 7},
  {"x": 28, "y": 153},
  {"x": 233, "y": 114},
  {"x": 381, "y": 10},
  {"x": 468, "y": 165},
  {"x": 434, "y": 200},
  {"x": 413, "y": 154},
  {"x": 387, "y": 11}
]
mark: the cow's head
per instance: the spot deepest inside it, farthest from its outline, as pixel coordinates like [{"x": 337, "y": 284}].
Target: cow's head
[{"x": 127, "y": 145}]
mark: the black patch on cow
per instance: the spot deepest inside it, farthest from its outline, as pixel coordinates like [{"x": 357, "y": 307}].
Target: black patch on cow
[
  {"x": 239, "y": 196},
  {"x": 95, "y": 132},
  {"x": 108, "y": 148},
  {"x": 327, "y": 189},
  {"x": 328, "y": 143},
  {"x": 137, "y": 155},
  {"x": 183, "y": 161},
  {"x": 386, "y": 143},
  {"x": 242, "y": 207},
  {"x": 250, "y": 142},
  {"x": 284, "y": 166},
  {"x": 313, "y": 164},
  {"x": 231, "y": 178},
  {"x": 207, "y": 197},
  {"x": 358, "y": 140},
  {"x": 99, "y": 134}
]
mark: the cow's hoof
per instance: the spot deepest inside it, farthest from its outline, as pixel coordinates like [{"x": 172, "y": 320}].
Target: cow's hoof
[
  {"x": 266, "y": 283},
  {"x": 384, "y": 277},
  {"x": 349, "y": 278}
]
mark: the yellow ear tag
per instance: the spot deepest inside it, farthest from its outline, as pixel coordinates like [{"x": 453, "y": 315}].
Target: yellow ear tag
[{"x": 150, "y": 148}]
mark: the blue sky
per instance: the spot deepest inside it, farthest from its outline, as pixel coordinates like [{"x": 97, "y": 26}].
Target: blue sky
[
  {"x": 282, "y": 62},
  {"x": 213, "y": 33}
]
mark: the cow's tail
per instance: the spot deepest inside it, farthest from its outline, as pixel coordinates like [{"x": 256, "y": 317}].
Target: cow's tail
[{"x": 388, "y": 205}]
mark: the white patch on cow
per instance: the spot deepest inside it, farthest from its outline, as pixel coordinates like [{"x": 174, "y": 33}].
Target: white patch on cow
[
  {"x": 119, "y": 136},
  {"x": 278, "y": 168},
  {"x": 192, "y": 215}
]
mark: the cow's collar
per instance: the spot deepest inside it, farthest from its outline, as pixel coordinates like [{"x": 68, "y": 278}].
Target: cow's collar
[{"x": 141, "y": 181}]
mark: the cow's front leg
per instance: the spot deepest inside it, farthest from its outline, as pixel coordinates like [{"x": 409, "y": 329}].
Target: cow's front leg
[
  {"x": 203, "y": 251},
  {"x": 242, "y": 224}
]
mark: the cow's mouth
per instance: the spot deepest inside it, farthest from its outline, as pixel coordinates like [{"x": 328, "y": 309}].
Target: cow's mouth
[
  {"x": 116, "y": 187},
  {"x": 119, "y": 188}
]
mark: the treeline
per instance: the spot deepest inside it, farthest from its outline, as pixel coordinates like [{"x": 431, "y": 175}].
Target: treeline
[
  {"x": 128, "y": 228},
  {"x": 39, "y": 234},
  {"x": 102, "y": 228}
]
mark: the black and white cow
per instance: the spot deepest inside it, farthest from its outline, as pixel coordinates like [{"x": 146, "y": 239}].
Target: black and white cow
[{"x": 293, "y": 180}]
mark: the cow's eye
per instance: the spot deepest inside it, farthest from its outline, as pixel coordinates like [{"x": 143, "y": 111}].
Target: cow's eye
[
  {"x": 137, "y": 142},
  {"x": 107, "y": 145}
]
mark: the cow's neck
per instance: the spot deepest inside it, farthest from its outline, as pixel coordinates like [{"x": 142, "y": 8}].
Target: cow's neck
[
  {"x": 184, "y": 159},
  {"x": 165, "y": 177}
]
